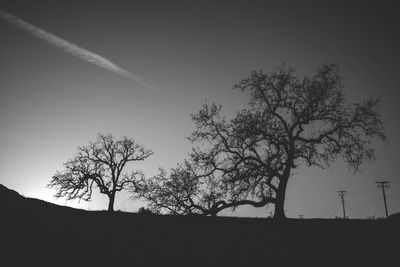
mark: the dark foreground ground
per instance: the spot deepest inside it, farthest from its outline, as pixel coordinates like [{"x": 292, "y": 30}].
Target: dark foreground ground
[{"x": 37, "y": 233}]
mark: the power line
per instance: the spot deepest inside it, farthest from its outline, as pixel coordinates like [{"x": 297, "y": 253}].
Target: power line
[
  {"x": 362, "y": 192},
  {"x": 376, "y": 207},
  {"x": 337, "y": 207},
  {"x": 356, "y": 211},
  {"x": 329, "y": 211},
  {"x": 322, "y": 211},
  {"x": 364, "y": 204},
  {"x": 383, "y": 185}
]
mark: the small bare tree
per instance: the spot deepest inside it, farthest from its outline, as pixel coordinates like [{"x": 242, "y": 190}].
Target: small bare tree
[{"x": 100, "y": 165}]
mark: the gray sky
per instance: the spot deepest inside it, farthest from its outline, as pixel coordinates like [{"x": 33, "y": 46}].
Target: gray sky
[{"x": 52, "y": 101}]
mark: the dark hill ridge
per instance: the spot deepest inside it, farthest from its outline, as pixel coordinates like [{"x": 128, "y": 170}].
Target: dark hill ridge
[{"x": 39, "y": 233}]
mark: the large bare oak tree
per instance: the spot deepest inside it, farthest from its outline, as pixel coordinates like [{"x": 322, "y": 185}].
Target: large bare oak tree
[
  {"x": 249, "y": 159},
  {"x": 100, "y": 165}
]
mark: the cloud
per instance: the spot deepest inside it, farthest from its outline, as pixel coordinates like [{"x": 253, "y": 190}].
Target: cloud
[{"x": 71, "y": 48}]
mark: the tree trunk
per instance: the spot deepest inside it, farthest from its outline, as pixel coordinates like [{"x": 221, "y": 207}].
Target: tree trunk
[
  {"x": 111, "y": 198},
  {"x": 280, "y": 198}
]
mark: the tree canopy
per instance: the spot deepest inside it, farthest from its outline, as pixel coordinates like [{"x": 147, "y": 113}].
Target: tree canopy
[
  {"x": 100, "y": 165},
  {"x": 248, "y": 160}
]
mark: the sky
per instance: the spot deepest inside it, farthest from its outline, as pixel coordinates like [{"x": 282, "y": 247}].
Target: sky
[{"x": 151, "y": 64}]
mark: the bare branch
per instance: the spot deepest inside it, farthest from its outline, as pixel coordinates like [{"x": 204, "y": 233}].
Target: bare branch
[{"x": 100, "y": 164}]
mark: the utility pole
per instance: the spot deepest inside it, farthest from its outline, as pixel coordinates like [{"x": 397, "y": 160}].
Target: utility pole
[
  {"x": 383, "y": 185},
  {"x": 342, "y": 193}
]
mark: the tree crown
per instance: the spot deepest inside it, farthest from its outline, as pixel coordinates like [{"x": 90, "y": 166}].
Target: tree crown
[{"x": 100, "y": 164}]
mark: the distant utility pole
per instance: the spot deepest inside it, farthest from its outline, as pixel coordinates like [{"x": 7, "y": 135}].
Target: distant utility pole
[
  {"x": 342, "y": 193},
  {"x": 383, "y": 185}
]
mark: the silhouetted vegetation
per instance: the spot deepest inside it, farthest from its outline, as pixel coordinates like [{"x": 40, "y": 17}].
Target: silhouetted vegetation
[
  {"x": 145, "y": 211},
  {"x": 100, "y": 165},
  {"x": 183, "y": 191},
  {"x": 249, "y": 159}
]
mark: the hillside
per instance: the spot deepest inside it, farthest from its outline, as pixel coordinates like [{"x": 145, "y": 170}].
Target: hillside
[{"x": 38, "y": 233}]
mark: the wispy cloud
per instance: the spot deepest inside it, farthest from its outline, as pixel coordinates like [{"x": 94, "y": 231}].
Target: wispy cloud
[{"x": 71, "y": 48}]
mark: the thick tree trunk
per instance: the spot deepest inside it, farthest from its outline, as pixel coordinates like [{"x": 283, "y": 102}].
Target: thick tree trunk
[
  {"x": 280, "y": 199},
  {"x": 111, "y": 198},
  {"x": 280, "y": 195}
]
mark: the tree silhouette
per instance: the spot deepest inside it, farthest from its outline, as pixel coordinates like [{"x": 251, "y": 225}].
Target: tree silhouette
[
  {"x": 187, "y": 191},
  {"x": 182, "y": 191},
  {"x": 173, "y": 194},
  {"x": 100, "y": 165},
  {"x": 249, "y": 159}
]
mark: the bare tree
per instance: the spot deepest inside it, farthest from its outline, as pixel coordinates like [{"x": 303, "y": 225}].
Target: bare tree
[
  {"x": 182, "y": 191},
  {"x": 289, "y": 122},
  {"x": 187, "y": 190},
  {"x": 100, "y": 165},
  {"x": 172, "y": 193}
]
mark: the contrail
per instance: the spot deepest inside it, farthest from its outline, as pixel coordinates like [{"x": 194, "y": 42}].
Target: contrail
[{"x": 70, "y": 47}]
